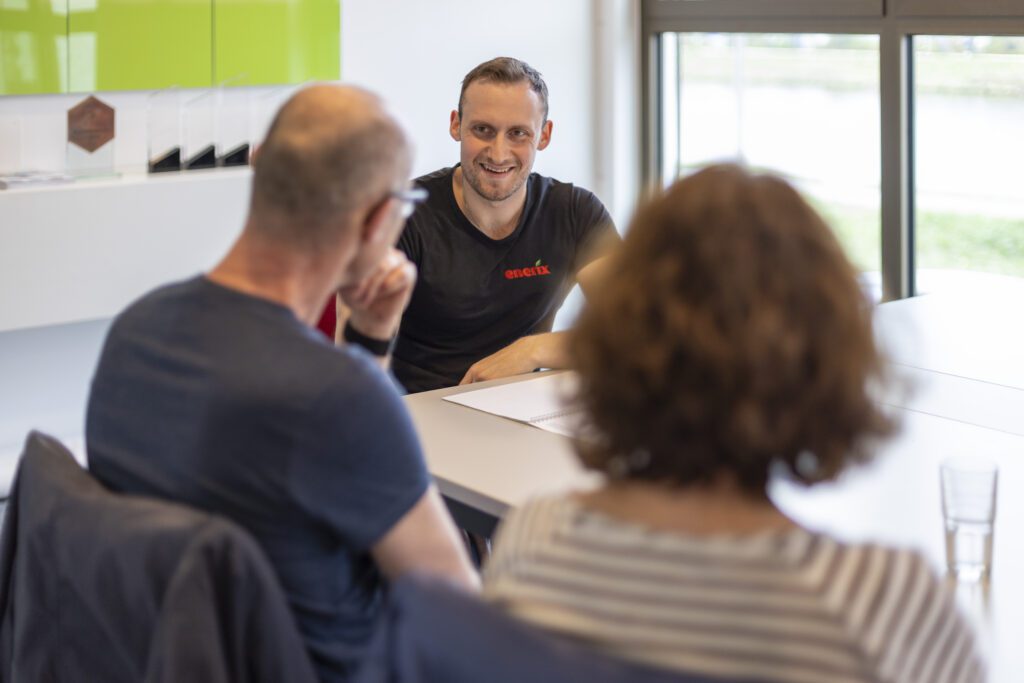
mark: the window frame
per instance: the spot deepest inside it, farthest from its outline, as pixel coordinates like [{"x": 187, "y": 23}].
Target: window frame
[{"x": 895, "y": 22}]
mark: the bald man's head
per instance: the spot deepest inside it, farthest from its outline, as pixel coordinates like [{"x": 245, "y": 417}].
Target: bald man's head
[{"x": 331, "y": 151}]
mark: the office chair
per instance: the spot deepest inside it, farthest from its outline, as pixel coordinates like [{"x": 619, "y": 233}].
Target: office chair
[{"x": 96, "y": 586}]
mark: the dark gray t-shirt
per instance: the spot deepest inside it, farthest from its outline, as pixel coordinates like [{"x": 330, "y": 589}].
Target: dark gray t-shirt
[
  {"x": 476, "y": 295},
  {"x": 227, "y": 402}
]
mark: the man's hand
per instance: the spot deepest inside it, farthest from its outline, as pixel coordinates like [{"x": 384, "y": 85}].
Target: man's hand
[
  {"x": 377, "y": 303},
  {"x": 526, "y": 354}
]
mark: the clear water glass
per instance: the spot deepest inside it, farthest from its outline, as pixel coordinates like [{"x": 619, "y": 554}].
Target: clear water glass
[{"x": 969, "y": 511}]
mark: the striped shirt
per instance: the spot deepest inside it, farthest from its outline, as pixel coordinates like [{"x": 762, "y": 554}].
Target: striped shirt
[{"x": 791, "y": 606}]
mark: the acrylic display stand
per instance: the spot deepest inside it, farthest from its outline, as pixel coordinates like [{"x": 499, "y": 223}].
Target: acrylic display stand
[
  {"x": 233, "y": 134},
  {"x": 200, "y": 148},
  {"x": 163, "y": 142}
]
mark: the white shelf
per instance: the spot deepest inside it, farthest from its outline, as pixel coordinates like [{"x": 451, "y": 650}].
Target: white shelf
[{"x": 84, "y": 250}]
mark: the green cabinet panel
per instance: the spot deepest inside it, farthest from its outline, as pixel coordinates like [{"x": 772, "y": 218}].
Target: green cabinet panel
[
  {"x": 265, "y": 42},
  {"x": 56, "y": 46},
  {"x": 33, "y": 47},
  {"x": 139, "y": 44}
]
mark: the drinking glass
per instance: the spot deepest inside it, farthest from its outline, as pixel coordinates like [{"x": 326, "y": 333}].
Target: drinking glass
[{"x": 969, "y": 510}]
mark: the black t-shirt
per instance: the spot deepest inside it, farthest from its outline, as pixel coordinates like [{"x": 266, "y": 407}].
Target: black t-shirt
[
  {"x": 476, "y": 295},
  {"x": 227, "y": 402}
]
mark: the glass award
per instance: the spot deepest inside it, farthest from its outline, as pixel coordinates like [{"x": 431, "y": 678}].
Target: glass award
[
  {"x": 163, "y": 124},
  {"x": 233, "y": 126},
  {"x": 199, "y": 150},
  {"x": 90, "y": 145}
]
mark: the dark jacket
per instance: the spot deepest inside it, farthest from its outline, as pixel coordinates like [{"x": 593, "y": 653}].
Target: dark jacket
[{"x": 96, "y": 586}]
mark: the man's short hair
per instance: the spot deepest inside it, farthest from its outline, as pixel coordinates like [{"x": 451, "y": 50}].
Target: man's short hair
[
  {"x": 507, "y": 70},
  {"x": 319, "y": 161}
]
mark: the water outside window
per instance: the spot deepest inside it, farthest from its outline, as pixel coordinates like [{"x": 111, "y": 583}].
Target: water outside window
[
  {"x": 969, "y": 162},
  {"x": 803, "y": 105}
]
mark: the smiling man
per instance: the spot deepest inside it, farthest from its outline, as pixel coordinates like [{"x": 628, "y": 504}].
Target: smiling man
[{"x": 497, "y": 246}]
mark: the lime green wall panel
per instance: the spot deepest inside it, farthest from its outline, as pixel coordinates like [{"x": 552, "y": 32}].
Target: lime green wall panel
[
  {"x": 139, "y": 44},
  {"x": 33, "y": 47},
  {"x": 265, "y": 42}
]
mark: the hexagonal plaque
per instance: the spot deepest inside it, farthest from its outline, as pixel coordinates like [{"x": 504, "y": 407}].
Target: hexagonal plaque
[{"x": 90, "y": 124}]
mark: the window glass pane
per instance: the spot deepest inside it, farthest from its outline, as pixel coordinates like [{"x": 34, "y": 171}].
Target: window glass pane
[
  {"x": 804, "y": 105},
  {"x": 968, "y": 151}
]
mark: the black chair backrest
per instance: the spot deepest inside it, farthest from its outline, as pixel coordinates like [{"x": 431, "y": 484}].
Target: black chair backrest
[
  {"x": 432, "y": 632},
  {"x": 96, "y": 586}
]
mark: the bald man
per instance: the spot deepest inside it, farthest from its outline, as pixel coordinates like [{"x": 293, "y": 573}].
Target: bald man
[{"x": 217, "y": 393}]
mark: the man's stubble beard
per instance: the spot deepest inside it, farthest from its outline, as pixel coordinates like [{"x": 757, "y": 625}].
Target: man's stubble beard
[{"x": 473, "y": 180}]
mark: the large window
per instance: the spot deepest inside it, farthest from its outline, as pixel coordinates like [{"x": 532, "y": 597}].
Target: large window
[
  {"x": 803, "y": 105},
  {"x": 903, "y": 122}
]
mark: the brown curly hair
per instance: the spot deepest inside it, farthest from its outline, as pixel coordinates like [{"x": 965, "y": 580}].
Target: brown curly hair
[{"x": 730, "y": 334}]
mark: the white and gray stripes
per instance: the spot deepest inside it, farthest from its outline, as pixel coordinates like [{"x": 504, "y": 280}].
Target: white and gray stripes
[{"x": 789, "y": 607}]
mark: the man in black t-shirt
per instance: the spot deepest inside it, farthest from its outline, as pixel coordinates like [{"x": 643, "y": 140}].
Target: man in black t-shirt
[
  {"x": 497, "y": 247},
  {"x": 216, "y": 392}
]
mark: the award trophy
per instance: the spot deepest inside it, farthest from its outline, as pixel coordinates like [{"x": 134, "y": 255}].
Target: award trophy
[
  {"x": 233, "y": 126},
  {"x": 200, "y": 148},
  {"x": 90, "y": 147},
  {"x": 163, "y": 119}
]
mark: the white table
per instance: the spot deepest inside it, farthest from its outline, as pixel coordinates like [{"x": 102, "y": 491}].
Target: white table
[
  {"x": 487, "y": 464},
  {"x": 968, "y": 337}
]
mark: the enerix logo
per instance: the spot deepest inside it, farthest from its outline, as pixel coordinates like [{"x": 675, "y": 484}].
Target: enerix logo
[{"x": 535, "y": 270}]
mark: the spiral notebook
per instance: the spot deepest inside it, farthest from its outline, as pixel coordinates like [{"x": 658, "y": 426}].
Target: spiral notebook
[{"x": 539, "y": 402}]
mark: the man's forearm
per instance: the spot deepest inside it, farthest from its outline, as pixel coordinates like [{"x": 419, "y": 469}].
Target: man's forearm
[
  {"x": 546, "y": 350},
  {"x": 550, "y": 349}
]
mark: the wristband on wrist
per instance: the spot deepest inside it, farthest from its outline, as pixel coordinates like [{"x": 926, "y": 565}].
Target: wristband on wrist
[{"x": 378, "y": 347}]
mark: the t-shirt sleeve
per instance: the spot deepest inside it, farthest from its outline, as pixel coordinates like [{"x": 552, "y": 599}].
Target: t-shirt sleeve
[
  {"x": 595, "y": 229},
  {"x": 407, "y": 241},
  {"x": 363, "y": 468},
  {"x": 410, "y": 241}
]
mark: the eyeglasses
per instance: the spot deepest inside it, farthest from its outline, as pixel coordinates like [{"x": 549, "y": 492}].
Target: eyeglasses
[{"x": 410, "y": 197}]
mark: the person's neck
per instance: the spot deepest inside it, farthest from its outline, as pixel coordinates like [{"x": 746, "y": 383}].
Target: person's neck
[
  {"x": 277, "y": 274},
  {"x": 701, "y": 510},
  {"x": 495, "y": 219}
]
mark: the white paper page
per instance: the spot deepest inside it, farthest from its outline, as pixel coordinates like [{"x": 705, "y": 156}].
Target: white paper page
[
  {"x": 566, "y": 424},
  {"x": 523, "y": 401}
]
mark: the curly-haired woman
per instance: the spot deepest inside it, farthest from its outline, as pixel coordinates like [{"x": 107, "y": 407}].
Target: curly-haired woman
[{"x": 730, "y": 343}]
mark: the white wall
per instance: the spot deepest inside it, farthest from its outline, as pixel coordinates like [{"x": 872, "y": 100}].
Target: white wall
[{"x": 617, "y": 106}]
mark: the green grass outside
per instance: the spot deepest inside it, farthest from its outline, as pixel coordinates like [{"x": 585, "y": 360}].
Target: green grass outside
[{"x": 991, "y": 244}]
